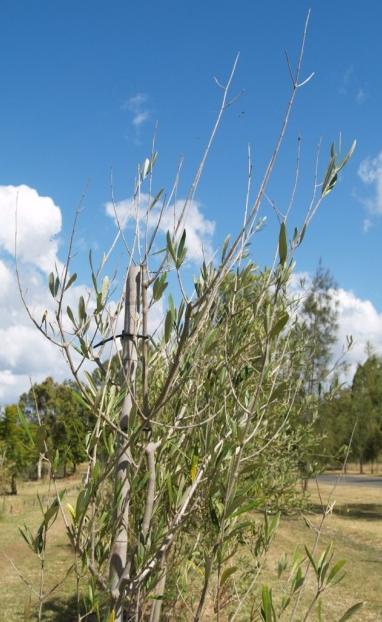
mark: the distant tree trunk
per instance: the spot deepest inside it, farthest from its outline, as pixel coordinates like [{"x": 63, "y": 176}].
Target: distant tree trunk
[
  {"x": 39, "y": 467},
  {"x": 13, "y": 484},
  {"x": 361, "y": 465},
  {"x": 46, "y": 469}
]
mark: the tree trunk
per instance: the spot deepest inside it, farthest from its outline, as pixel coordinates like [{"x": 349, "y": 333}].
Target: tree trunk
[
  {"x": 130, "y": 358},
  {"x": 155, "y": 614},
  {"x": 39, "y": 467},
  {"x": 361, "y": 465},
  {"x": 13, "y": 484}
]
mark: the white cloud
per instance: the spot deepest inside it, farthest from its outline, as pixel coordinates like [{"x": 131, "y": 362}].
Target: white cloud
[
  {"x": 350, "y": 86},
  {"x": 137, "y": 106},
  {"x": 361, "y": 96},
  {"x": 360, "y": 319},
  {"x": 346, "y": 80},
  {"x": 135, "y": 102},
  {"x": 11, "y": 386},
  {"x": 199, "y": 230},
  {"x": 140, "y": 118},
  {"x": 38, "y": 225},
  {"x": 367, "y": 224},
  {"x": 370, "y": 172},
  {"x": 24, "y": 352}
]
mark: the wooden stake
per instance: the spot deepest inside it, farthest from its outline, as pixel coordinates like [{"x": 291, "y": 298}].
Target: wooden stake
[{"x": 130, "y": 360}]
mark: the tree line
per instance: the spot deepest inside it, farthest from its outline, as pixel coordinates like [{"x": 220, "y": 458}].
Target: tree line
[
  {"x": 48, "y": 426},
  {"x": 350, "y": 421}
]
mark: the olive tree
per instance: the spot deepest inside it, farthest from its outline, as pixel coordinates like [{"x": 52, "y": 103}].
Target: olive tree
[{"x": 195, "y": 425}]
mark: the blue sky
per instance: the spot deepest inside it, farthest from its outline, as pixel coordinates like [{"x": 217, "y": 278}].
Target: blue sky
[{"x": 84, "y": 83}]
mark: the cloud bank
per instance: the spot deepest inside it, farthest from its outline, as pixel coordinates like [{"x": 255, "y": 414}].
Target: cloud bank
[{"x": 39, "y": 222}]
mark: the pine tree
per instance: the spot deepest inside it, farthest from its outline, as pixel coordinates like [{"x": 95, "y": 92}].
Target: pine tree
[{"x": 320, "y": 321}]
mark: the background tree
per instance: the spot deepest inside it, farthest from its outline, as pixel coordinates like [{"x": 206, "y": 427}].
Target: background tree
[
  {"x": 354, "y": 413},
  {"x": 367, "y": 409},
  {"x": 16, "y": 448},
  {"x": 316, "y": 329},
  {"x": 61, "y": 421},
  {"x": 320, "y": 321},
  {"x": 335, "y": 424}
]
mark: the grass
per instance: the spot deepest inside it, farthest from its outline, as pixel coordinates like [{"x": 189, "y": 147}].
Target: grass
[
  {"x": 357, "y": 538},
  {"x": 355, "y": 527},
  {"x": 16, "y": 596}
]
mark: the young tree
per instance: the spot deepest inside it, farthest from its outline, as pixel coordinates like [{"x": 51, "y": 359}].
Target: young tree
[{"x": 185, "y": 425}]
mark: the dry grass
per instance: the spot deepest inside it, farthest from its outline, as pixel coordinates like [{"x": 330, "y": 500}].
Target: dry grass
[
  {"x": 17, "y": 599},
  {"x": 355, "y": 527}
]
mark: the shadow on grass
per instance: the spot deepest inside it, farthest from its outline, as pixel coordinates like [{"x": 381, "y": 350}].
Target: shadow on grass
[
  {"x": 64, "y": 610},
  {"x": 368, "y": 511}
]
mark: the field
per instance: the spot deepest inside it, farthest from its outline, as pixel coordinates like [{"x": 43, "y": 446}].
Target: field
[
  {"x": 355, "y": 526},
  {"x": 16, "y": 597}
]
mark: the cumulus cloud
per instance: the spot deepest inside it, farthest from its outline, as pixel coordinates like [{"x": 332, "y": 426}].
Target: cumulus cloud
[
  {"x": 199, "y": 230},
  {"x": 360, "y": 319},
  {"x": 370, "y": 172},
  {"x": 39, "y": 222},
  {"x": 25, "y": 353}
]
